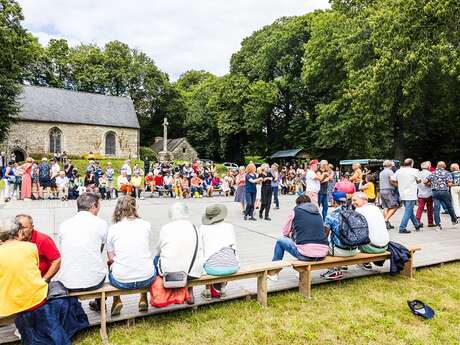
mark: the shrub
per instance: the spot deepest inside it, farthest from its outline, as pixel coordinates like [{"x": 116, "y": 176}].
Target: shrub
[{"x": 147, "y": 152}]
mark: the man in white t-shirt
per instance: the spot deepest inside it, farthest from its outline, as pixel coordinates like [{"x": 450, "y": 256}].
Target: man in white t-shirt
[
  {"x": 378, "y": 232},
  {"x": 407, "y": 178},
  {"x": 81, "y": 240}
]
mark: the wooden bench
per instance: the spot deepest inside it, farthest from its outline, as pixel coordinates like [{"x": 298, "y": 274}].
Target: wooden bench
[
  {"x": 305, "y": 268},
  {"x": 259, "y": 271}
]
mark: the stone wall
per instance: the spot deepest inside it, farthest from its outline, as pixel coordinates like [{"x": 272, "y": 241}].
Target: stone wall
[
  {"x": 33, "y": 138},
  {"x": 189, "y": 155}
]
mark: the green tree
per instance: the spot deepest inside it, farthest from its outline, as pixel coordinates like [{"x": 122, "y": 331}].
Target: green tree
[{"x": 15, "y": 52}]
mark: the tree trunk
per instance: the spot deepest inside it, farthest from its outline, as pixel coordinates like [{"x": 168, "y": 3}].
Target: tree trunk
[{"x": 398, "y": 126}]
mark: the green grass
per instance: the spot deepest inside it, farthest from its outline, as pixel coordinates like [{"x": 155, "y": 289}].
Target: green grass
[{"x": 369, "y": 310}]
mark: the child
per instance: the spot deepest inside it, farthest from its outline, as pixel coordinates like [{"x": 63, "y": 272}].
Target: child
[
  {"x": 177, "y": 186},
  {"x": 368, "y": 187},
  {"x": 226, "y": 184},
  {"x": 185, "y": 187},
  {"x": 298, "y": 185}
]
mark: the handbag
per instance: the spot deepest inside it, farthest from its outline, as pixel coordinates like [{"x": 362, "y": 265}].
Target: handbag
[{"x": 174, "y": 280}]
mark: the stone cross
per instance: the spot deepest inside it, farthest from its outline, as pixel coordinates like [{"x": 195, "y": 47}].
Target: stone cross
[{"x": 165, "y": 134}]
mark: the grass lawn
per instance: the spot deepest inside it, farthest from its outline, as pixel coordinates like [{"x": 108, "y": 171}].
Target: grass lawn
[{"x": 370, "y": 310}]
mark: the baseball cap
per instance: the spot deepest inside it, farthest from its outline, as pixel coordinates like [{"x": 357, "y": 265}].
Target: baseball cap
[{"x": 339, "y": 196}]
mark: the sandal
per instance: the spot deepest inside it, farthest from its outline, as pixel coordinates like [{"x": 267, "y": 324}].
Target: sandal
[{"x": 421, "y": 309}]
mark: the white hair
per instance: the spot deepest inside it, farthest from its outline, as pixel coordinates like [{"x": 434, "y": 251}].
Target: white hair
[
  {"x": 387, "y": 163},
  {"x": 9, "y": 228},
  {"x": 425, "y": 165},
  {"x": 360, "y": 195},
  {"x": 178, "y": 211}
]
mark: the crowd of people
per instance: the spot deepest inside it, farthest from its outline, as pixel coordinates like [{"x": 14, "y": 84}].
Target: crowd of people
[
  {"x": 185, "y": 252},
  {"x": 30, "y": 259}
]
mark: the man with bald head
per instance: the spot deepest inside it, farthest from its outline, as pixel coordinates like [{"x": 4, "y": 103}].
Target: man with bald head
[
  {"x": 440, "y": 182},
  {"x": 49, "y": 257}
]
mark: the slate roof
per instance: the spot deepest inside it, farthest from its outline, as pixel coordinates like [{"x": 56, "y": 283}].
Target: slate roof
[
  {"x": 47, "y": 104},
  {"x": 172, "y": 144},
  {"x": 287, "y": 153}
]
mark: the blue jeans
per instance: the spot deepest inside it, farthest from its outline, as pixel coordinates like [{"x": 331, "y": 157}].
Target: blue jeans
[
  {"x": 408, "y": 214},
  {"x": 250, "y": 201},
  {"x": 440, "y": 197},
  {"x": 285, "y": 244},
  {"x": 324, "y": 203},
  {"x": 275, "y": 196},
  {"x": 134, "y": 285}
]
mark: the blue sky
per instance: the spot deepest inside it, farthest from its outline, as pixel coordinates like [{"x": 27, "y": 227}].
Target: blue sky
[{"x": 178, "y": 34}]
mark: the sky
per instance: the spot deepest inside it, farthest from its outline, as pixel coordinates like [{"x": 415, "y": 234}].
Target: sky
[{"x": 179, "y": 35}]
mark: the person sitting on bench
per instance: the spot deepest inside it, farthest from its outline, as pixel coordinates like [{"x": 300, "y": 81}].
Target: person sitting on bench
[
  {"x": 303, "y": 234},
  {"x": 332, "y": 225},
  {"x": 130, "y": 259},
  {"x": 378, "y": 232}
]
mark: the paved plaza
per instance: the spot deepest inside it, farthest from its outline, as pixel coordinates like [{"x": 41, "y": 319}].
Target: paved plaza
[{"x": 255, "y": 241}]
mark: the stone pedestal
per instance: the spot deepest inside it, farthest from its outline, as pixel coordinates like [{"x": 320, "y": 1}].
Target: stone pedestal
[{"x": 165, "y": 156}]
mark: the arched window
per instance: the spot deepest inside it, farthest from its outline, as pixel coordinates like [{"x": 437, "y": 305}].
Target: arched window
[
  {"x": 55, "y": 140},
  {"x": 110, "y": 144}
]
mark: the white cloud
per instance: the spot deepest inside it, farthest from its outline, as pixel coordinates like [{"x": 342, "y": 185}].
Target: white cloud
[{"x": 178, "y": 34}]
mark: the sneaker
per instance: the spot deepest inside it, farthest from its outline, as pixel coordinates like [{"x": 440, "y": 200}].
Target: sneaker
[
  {"x": 431, "y": 225},
  {"x": 252, "y": 218},
  {"x": 389, "y": 226},
  {"x": 454, "y": 223},
  {"x": 206, "y": 295},
  {"x": 17, "y": 334},
  {"x": 333, "y": 274},
  {"x": 260, "y": 215},
  {"x": 268, "y": 218},
  {"x": 273, "y": 277},
  {"x": 95, "y": 306},
  {"x": 404, "y": 231},
  {"x": 438, "y": 228},
  {"x": 143, "y": 304},
  {"x": 420, "y": 225},
  {"x": 366, "y": 266},
  {"x": 116, "y": 307}
]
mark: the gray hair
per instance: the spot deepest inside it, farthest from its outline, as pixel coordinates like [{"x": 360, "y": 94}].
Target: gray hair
[
  {"x": 86, "y": 201},
  {"x": 425, "y": 165},
  {"x": 387, "y": 163},
  {"x": 408, "y": 162},
  {"x": 9, "y": 228},
  {"x": 323, "y": 162},
  {"x": 360, "y": 195},
  {"x": 178, "y": 211}
]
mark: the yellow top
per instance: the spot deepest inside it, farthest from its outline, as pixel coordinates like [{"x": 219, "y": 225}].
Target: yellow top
[
  {"x": 136, "y": 181},
  {"x": 21, "y": 284},
  {"x": 370, "y": 190}
]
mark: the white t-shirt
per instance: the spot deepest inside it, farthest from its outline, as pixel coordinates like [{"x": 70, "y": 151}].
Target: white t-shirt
[
  {"x": 129, "y": 240},
  {"x": 176, "y": 246},
  {"x": 407, "y": 183},
  {"x": 378, "y": 232},
  {"x": 313, "y": 184},
  {"x": 216, "y": 236},
  {"x": 55, "y": 170},
  {"x": 80, "y": 239},
  {"x": 62, "y": 181}
]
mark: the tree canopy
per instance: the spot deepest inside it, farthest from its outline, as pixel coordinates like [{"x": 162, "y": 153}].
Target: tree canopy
[{"x": 366, "y": 78}]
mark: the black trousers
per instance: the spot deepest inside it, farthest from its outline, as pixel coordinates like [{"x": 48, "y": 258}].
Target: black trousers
[{"x": 265, "y": 200}]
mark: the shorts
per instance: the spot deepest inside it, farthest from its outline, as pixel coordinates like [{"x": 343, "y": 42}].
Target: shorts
[
  {"x": 45, "y": 183},
  {"x": 389, "y": 199}
]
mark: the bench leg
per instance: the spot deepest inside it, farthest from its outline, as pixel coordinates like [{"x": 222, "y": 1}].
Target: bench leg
[
  {"x": 408, "y": 270},
  {"x": 262, "y": 289},
  {"x": 103, "y": 331},
  {"x": 305, "y": 283}
]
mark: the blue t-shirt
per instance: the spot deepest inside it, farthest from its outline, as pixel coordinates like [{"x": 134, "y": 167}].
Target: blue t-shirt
[{"x": 250, "y": 186}]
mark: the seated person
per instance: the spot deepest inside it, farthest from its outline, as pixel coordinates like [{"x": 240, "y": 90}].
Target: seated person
[
  {"x": 82, "y": 240},
  {"x": 378, "y": 232},
  {"x": 149, "y": 182},
  {"x": 368, "y": 187},
  {"x": 124, "y": 186},
  {"x": 62, "y": 185},
  {"x": 219, "y": 248},
  {"x": 168, "y": 181},
  {"x": 216, "y": 182},
  {"x": 303, "y": 234},
  {"x": 104, "y": 189},
  {"x": 177, "y": 186},
  {"x": 131, "y": 262},
  {"x": 207, "y": 185},
  {"x": 177, "y": 245},
  {"x": 196, "y": 186},
  {"x": 23, "y": 291},
  {"x": 332, "y": 226},
  {"x": 136, "y": 181},
  {"x": 185, "y": 187},
  {"x": 91, "y": 183},
  {"x": 159, "y": 184},
  {"x": 48, "y": 254}
]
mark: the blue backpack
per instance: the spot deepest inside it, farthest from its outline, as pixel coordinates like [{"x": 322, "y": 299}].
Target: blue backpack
[{"x": 354, "y": 230}]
